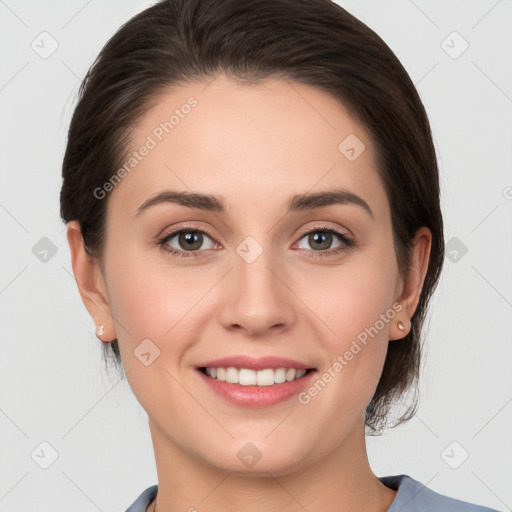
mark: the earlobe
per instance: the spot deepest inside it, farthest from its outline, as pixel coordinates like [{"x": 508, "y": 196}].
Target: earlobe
[
  {"x": 400, "y": 328},
  {"x": 90, "y": 283},
  {"x": 413, "y": 283}
]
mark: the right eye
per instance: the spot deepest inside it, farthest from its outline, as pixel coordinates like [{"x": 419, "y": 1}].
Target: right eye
[{"x": 189, "y": 240}]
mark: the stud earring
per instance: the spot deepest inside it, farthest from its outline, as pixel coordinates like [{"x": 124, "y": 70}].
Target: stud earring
[
  {"x": 400, "y": 325},
  {"x": 100, "y": 330}
]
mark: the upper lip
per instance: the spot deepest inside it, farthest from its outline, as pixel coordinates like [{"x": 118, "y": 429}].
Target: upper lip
[{"x": 254, "y": 363}]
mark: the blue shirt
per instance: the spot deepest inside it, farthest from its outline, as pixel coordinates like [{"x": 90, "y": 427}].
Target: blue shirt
[{"x": 412, "y": 496}]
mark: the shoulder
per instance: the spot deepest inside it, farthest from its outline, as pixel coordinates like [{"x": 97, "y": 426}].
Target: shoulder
[
  {"x": 413, "y": 496},
  {"x": 142, "y": 502}
]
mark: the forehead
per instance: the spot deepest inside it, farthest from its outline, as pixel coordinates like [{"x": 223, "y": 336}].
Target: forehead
[{"x": 256, "y": 144}]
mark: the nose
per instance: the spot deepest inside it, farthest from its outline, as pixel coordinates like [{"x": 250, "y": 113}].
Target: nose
[{"x": 258, "y": 299}]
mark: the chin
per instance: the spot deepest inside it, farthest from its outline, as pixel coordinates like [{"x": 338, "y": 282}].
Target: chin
[{"x": 257, "y": 459}]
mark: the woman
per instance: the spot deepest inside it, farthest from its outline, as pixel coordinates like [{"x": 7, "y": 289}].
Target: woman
[{"x": 252, "y": 200}]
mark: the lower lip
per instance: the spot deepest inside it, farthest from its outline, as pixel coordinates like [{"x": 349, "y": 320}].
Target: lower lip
[{"x": 257, "y": 396}]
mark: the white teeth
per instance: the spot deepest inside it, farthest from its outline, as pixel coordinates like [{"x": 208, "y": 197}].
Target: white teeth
[
  {"x": 290, "y": 374},
  {"x": 265, "y": 377},
  {"x": 232, "y": 375},
  {"x": 280, "y": 375},
  {"x": 247, "y": 377}
]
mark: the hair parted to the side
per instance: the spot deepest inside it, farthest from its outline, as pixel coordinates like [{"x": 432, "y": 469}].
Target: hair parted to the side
[{"x": 313, "y": 42}]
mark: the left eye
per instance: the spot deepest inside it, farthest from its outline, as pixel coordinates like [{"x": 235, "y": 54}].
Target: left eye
[{"x": 321, "y": 239}]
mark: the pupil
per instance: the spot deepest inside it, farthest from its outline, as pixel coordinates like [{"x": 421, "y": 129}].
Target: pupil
[
  {"x": 190, "y": 238},
  {"x": 317, "y": 238}
]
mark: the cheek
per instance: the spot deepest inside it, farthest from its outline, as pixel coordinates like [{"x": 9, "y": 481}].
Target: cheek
[
  {"x": 357, "y": 306},
  {"x": 149, "y": 299},
  {"x": 355, "y": 295}
]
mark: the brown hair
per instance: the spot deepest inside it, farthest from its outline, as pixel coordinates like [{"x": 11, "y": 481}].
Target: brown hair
[{"x": 314, "y": 42}]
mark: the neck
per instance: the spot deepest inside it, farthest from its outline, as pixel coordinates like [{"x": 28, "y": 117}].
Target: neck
[{"x": 341, "y": 481}]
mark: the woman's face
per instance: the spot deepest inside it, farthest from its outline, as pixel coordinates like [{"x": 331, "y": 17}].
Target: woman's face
[{"x": 262, "y": 277}]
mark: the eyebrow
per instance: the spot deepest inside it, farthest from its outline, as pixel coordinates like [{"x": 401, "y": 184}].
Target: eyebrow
[{"x": 214, "y": 203}]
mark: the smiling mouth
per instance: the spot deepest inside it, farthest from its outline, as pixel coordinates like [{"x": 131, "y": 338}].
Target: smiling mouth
[{"x": 248, "y": 377}]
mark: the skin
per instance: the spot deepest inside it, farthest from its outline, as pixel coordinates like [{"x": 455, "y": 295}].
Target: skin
[{"x": 255, "y": 145}]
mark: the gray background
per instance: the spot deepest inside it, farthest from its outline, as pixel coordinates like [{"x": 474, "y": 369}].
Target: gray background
[{"x": 53, "y": 386}]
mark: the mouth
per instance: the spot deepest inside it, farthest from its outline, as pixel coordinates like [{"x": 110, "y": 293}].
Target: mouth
[
  {"x": 250, "y": 377},
  {"x": 269, "y": 382},
  {"x": 249, "y": 381}
]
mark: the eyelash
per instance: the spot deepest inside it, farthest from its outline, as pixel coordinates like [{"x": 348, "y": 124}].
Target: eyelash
[{"x": 347, "y": 242}]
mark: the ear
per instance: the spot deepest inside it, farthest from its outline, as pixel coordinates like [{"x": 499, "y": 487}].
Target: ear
[
  {"x": 413, "y": 283},
  {"x": 90, "y": 282}
]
